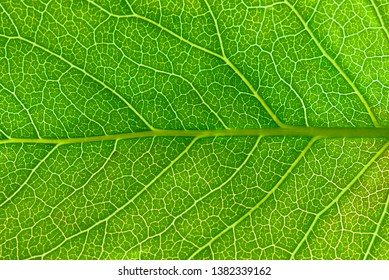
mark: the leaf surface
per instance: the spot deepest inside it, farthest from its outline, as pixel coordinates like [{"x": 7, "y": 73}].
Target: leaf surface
[{"x": 194, "y": 129}]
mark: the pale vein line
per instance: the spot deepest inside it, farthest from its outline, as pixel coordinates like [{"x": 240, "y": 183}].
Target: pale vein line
[
  {"x": 185, "y": 151},
  {"x": 263, "y": 200},
  {"x": 85, "y": 73},
  {"x": 380, "y": 222},
  {"x": 103, "y": 241},
  {"x": 176, "y": 35},
  {"x": 240, "y": 74},
  {"x": 10, "y": 18},
  {"x": 292, "y": 88},
  {"x": 217, "y": 28},
  {"x": 108, "y": 12},
  {"x": 24, "y": 108},
  {"x": 380, "y": 18},
  {"x": 352, "y": 182},
  {"x": 30, "y": 175},
  {"x": 76, "y": 107},
  {"x": 232, "y": 176},
  {"x": 172, "y": 74},
  {"x": 128, "y": 4},
  {"x": 83, "y": 245},
  {"x": 41, "y": 19},
  {"x": 4, "y": 134},
  {"x": 134, "y": 15},
  {"x": 335, "y": 64},
  {"x": 235, "y": 245},
  {"x": 256, "y": 94}
]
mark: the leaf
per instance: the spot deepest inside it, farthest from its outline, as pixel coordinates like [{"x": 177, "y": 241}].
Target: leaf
[{"x": 194, "y": 129}]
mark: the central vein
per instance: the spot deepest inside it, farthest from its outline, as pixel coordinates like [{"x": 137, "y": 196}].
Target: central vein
[{"x": 289, "y": 131}]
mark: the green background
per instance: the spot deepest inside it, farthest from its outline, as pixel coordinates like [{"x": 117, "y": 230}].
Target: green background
[{"x": 194, "y": 129}]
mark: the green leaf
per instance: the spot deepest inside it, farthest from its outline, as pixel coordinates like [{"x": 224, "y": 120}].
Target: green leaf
[{"x": 194, "y": 129}]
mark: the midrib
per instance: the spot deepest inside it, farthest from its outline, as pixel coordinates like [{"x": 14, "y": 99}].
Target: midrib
[{"x": 289, "y": 131}]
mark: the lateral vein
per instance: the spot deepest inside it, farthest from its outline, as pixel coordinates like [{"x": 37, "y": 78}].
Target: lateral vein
[{"x": 335, "y": 64}]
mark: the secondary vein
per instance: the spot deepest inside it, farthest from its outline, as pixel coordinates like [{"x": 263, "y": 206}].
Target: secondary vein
[
  {"x": 335, "y": 64},
  {"x": 222, "y": 57},
  {"x": 263, "y": 200},
  {"x": 101, "y": 83}
]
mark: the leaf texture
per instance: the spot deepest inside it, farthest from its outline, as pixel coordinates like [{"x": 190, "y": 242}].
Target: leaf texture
[{"x": 194, "y": 129}]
